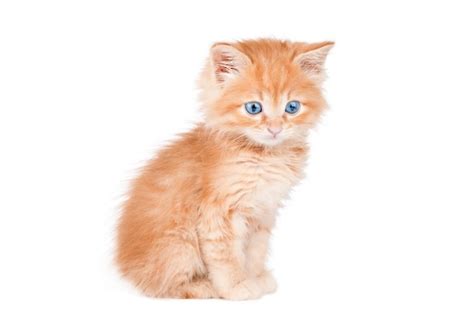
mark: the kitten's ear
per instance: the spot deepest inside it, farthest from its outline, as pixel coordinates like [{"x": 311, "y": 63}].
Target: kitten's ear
[
  {"x": 313, "y": 59},
  {"x": 227, "y": 62}
]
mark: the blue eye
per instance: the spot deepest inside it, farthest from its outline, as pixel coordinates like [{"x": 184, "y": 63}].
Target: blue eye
[
  {"x": 292, "y": 107},
  {"x": 253, "y": 108}
]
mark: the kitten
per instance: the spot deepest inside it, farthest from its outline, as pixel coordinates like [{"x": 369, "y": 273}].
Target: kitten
[{"x": 199, "y": 217}]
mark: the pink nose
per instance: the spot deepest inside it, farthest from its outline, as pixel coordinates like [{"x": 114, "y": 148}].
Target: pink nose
[{"x": 274, "y": 131}]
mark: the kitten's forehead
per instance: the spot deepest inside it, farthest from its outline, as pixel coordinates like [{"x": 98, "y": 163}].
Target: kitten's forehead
[
  {"x": 278, "y": 80},
  {"x": 274, "y": 104},
  {"x": 274, "y": 84}
]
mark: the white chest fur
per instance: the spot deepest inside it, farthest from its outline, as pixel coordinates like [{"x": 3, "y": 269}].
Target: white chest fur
[{"x": 258, "y": 183}]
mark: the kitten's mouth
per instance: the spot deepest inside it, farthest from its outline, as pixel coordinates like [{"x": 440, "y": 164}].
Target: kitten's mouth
[
  {"x": 272, "y": 140},
  {"x": 266, "y": 139}
]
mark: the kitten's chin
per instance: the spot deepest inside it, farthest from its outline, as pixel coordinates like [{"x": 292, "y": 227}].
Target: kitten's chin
[
  {"x": 287, "y": 137},
  {"x": 268, "y": 141}
]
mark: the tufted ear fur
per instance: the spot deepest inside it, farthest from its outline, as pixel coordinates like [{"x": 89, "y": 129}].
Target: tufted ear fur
[
  {"x": 312, "y": 60},
  {"x": 227, "y": 62}
]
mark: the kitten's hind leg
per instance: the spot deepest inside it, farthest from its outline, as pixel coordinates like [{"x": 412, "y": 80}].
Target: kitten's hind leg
[
  {"x": 171, "y": 269},
  {"x": 200, "y": 288}
]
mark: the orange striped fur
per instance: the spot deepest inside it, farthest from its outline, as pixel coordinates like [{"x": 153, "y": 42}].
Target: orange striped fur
[{"x": 198, "y": 218}]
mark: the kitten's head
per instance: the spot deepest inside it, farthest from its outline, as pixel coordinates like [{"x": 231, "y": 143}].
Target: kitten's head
[{"x": 266, "y": 91}]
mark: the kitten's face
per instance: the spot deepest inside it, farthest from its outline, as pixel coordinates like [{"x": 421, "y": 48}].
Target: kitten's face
[{"x": 265, "y": 91}]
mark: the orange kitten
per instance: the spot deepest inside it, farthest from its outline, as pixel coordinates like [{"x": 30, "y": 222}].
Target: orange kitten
[{"x": 199, "y": 217}]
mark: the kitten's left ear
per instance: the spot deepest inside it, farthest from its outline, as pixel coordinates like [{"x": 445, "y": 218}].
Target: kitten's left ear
[
  {"x": 312, "y": 60},
  {"x": 227, "y": 62}
]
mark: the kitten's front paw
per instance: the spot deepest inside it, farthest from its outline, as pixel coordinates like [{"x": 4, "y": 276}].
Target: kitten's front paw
[
  {"x": 246, "y": 290},
  {"x": 267, "y": 282}
]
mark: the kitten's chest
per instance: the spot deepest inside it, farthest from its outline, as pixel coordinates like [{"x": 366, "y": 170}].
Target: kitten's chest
[{"x": 258, "y": 183}]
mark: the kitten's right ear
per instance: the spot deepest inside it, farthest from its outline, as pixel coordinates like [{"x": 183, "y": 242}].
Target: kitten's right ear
[
  {"x": 312, "y": 61},
  {"x": 227, "y": 62}
]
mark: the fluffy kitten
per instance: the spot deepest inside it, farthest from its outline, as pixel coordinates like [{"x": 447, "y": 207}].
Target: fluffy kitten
[{"x": 198, "y": 218}]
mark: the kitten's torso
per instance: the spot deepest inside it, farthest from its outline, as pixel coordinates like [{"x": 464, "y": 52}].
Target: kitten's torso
[
  {"x": 255, "y": 182},
  {"x": 205, "y": 190}
]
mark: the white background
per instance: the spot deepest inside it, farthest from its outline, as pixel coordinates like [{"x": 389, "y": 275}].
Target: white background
[{"x": 383, "y": 223}]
